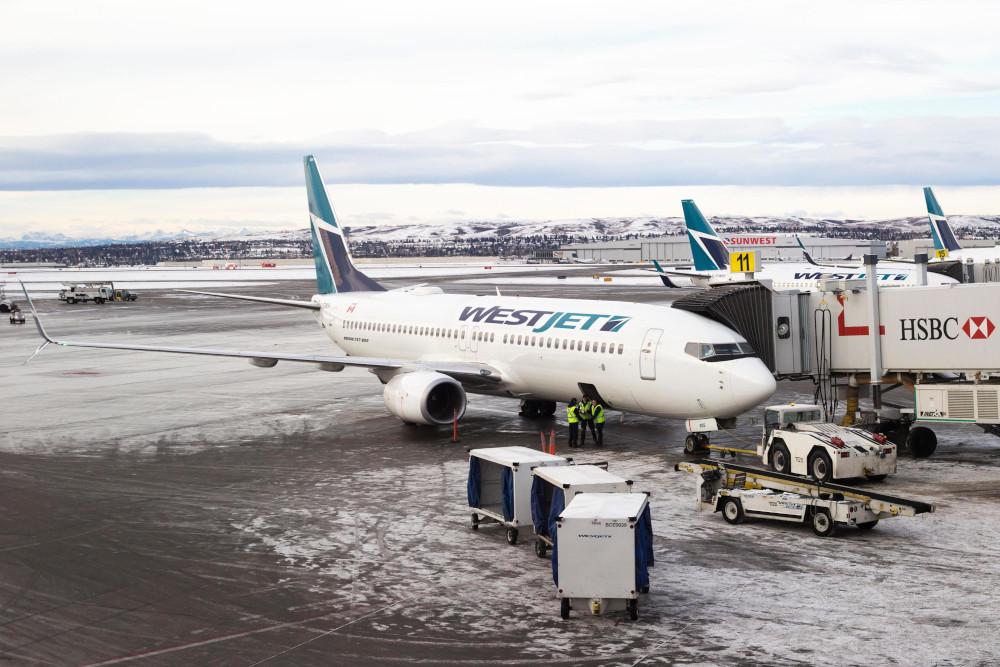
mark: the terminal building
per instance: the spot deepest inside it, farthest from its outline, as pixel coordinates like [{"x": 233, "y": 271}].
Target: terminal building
[{"x": 676, "y": 250}]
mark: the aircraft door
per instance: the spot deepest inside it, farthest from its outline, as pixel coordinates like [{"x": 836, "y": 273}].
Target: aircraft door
[
  {"x": 474, "y": 341},
  {"x": 647, "y": 354}
]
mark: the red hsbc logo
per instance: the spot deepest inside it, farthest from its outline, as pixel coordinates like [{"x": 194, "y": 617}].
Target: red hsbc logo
[{"x": 978, "y": 328}]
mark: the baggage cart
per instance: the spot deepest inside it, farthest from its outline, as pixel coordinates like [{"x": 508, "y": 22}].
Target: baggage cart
[
  {"x": 602, "y": 548},
  {"x": 553, "y": 487},
  {"x": 499, "y": 486}
]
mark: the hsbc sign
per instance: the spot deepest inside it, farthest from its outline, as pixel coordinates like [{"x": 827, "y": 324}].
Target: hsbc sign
[{"x": 937, "y": 328}]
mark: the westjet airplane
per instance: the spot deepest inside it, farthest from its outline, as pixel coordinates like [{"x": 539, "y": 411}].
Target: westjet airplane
[
  {"x": 429, "y": 348},
  {"x": 945, "y": 239},
  {"x": 711, "y": 264}
]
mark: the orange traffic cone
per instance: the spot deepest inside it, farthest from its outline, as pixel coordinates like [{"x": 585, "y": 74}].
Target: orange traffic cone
[{"x": 552, "y": 441}]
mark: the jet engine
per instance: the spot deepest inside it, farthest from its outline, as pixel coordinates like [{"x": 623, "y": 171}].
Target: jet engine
[{"x": 424, "y": 397}]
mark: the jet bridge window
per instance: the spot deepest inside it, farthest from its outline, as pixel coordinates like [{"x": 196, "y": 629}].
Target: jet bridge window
[{"x": 719, "y": 351}]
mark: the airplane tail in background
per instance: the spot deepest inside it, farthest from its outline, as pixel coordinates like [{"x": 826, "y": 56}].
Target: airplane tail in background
[
  {"x": 335, "y": 272},
  {"x": 944, "y": 238},
  {"x": 707, "y": 249}
]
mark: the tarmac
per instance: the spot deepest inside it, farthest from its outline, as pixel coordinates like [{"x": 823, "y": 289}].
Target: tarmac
[{"x": 161, "y": 509}]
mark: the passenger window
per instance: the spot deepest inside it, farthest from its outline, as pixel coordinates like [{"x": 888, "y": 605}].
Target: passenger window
[
  {"x": 564, "y": 344},
  {"x": 586, "y": 347},
  {"x": 492, "y": 337},
  {"x": 603, "y": 347},
  {"x": 532, "y": 341},
  {"x": 519, "y": 340},
  {"x": 505, "y": 339},
  {"x": 621, "y": 347}
]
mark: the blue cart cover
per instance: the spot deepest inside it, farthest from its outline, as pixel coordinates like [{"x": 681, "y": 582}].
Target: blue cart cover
[
  {"x": 507, "y": 483},
  {"x": 555, "y": 509},
  {"x": 643, "y": 549},
  {"x": 539, "y": 512},
  {"x": 475, "y": 482}
]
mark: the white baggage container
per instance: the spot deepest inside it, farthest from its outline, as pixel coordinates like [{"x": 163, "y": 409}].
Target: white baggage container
[
  {"x": 499, "y": 486},
  {"x": 602, "y": 549},
  {"x": 554, "y": 487}
]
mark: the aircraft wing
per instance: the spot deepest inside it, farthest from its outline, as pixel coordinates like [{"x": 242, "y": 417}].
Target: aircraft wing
[
  {"x": 262, "y": 299},
  {"x": 466, "y": 372}
]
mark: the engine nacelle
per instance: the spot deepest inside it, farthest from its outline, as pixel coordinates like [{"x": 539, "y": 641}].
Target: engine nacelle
[{"x": 424, "y": 397}]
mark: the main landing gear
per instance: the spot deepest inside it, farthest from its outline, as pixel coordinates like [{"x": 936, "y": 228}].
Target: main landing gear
[{"x": 537, "y": 409}]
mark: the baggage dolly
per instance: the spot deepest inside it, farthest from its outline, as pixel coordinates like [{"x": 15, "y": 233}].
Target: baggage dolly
[
  {"x": 739, "y": 492},
  {"x": 553, "y": 487},
  {"x": 602, "y": 551},
  {"x": 499, "y": 485}
]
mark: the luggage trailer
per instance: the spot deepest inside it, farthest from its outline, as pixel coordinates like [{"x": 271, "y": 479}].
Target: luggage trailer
[
  {"x": 553, "y": 487},
  {"x": 602, "y": 551},
  {"x": 739, "y": 492},
  {"x": 499, "y": 485}
]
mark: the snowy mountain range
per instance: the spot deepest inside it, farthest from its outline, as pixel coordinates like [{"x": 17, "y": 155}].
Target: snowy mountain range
[{"x": 976, "y": 226}]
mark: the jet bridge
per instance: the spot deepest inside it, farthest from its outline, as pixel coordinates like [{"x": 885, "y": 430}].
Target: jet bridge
[{"x": 941, "y": 341}]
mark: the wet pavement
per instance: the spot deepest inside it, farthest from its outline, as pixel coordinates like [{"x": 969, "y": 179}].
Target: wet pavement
[{"x": 167, "y": 510}]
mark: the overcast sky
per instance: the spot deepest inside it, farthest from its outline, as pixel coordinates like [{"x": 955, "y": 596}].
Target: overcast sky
[{"x": 196, "y": 115}]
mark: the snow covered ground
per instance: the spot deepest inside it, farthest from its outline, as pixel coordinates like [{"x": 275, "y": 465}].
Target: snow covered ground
[
  {"x": 47, "y": 282},
  {"x": 215, "y": 512}
]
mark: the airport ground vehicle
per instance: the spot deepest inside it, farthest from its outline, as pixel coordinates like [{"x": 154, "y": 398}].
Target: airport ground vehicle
[
  {"x": 499, "y": 485},
  {"x": 553, "y": 487},
  {"x": 82, "y": 293},
  {"x": 798, "y": 441},
  {"x": 602, "y": 551},
  {"x": 739, "y": 492}
]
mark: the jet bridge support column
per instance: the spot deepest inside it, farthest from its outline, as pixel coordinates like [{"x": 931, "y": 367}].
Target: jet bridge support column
[
  {"x": 874, "y": 322},
  {"x": 920, "y": 259}
]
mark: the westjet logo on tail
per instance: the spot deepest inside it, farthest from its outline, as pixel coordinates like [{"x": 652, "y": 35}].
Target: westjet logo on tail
[
  {"x": 543, "y": 320},
  {"x": 816, "y": 275}
]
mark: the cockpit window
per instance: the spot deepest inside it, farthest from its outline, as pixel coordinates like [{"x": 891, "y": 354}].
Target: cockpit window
[{"x": 719, "y": 351}]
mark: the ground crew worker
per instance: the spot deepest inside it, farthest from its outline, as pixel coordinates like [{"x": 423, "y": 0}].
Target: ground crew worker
[
  {"x": 574, "y": 422},
  {"x": 597, "y": 410},
  {"x": 586, "y": 421}
]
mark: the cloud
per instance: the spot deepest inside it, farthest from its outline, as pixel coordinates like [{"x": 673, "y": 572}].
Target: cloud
[{"x": 845, "y": 151}]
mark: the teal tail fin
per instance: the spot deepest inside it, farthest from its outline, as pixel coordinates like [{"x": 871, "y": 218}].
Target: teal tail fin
[
  {"x": 944, "y": 237},
  {"x": 707, "y": 249},
  {"x": 335, "y": 271}
]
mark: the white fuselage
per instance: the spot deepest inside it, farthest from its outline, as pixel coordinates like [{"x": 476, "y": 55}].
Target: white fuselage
[
  {"x": 633, "y": 354},
  {"x": 804, "y": 276}
]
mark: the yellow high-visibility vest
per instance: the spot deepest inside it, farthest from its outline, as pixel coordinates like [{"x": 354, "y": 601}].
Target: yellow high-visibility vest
[
  {"x": 599, "y": 414},
  {"x": 571, "y": 414}
]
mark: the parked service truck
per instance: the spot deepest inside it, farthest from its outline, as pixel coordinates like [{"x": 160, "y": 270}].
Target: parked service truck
[
  {"x": 797, "y": 441},
  {"x": 99, "y": 293}
]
